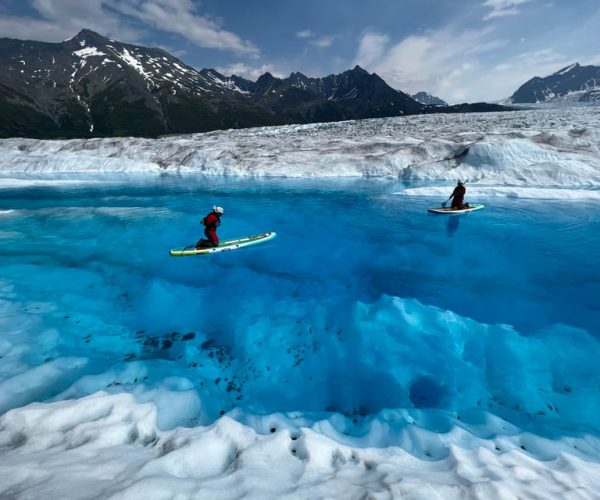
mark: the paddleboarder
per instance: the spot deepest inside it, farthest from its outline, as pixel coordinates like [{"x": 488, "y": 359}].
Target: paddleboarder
[
  {"x": 458, "y": 196},
  {"x": 211, "y": 222}
]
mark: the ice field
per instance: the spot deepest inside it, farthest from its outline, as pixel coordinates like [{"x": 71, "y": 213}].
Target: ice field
[
  {"x": 372, "y": 350},
  {"x": 533, "y": 148}
]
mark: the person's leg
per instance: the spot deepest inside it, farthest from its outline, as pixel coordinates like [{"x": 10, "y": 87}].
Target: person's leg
[{"x": 213, "y": 239}]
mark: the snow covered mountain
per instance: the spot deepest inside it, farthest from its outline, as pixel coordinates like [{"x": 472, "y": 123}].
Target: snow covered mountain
[
  {"x": 573, "y": 83},
  {"x": 92, "y": 86},
  {"x": 352, "y": 94},
  {"x": 425, "y": 98}
]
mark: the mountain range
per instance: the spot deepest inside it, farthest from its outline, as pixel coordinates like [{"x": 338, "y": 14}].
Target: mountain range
[
  {"x": 91, "y": 86},
  {"x": 574, "y": 83}
]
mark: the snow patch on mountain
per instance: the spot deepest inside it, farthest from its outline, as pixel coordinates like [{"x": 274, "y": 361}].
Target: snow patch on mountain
[
  {"x": 130, "y": 59},
  {"x": 564, "y": 71},
  {"x": 89, "y": 51},
  {"x": 222, "y": 81}
]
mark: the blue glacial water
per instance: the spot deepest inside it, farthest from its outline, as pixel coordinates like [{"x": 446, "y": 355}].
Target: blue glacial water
[{"x": 363, "y": 302}]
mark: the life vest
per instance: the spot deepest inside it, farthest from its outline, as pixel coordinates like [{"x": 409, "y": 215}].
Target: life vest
[
  {"x": 211, "y": 221},
  {"x": 459, "y": 191}
]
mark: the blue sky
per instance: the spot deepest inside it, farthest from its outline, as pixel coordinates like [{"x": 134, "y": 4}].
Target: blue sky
[{"x": 460, "y": 50}]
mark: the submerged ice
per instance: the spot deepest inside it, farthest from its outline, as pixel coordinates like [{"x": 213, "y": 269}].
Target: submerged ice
[{"x": 378, "y": 306}]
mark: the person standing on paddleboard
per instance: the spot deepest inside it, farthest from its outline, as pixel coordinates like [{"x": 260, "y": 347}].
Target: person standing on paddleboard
[
  {"x": 211, "y": 222},
  {"x": 458, "y": 196}
]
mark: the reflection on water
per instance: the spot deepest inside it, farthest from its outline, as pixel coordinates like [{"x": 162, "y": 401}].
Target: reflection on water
[{"x": 452, "y": 226}]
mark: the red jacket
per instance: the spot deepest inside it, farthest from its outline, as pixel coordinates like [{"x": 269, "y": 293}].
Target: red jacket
[{"x": 211, "y": 221}]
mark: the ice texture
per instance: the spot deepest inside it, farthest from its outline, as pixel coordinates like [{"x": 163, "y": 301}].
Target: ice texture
[
  {"x": 109, "y": 446},
  {"x": 540, "y": 148}
]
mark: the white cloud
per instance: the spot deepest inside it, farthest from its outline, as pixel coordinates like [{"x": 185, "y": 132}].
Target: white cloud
[
  {"x": 433, "y": 61},
  {"x": 501, "y": 13},
  {"x": 501, "y": 8},
  {"x": 317, "y": 41},
  {"x": 25, "y": 28},
  {"x": 323, "y": 41},
  {"x": 249, "y": 72},
  {"x": 124, "y": 20},
  {"x": 454, "y": 65},
  {"x": 526, "y": 65},
  {"x": 371, "y": 48},
  {"x": 180, "y": 17},
  {"x": 62, "y": 19},
  {"x": 305, "y": 34}
]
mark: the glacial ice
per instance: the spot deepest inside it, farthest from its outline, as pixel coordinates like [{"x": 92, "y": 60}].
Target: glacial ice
[{"x": 542, "y": 148}]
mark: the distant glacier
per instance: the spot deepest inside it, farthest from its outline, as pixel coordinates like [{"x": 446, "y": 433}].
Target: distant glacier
[{"x": 545, "y": 148}]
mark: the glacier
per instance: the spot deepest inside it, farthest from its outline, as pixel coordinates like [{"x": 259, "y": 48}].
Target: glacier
[
  {"x": 531, "y": 148},
  {"x": 340, "y": 361}
]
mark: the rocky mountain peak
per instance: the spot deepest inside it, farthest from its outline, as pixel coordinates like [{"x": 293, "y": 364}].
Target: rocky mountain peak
[
  {"x": 359, "y": 70},
  {"x": 87, "y": 37},
  {"x": 573, "y": 83}
]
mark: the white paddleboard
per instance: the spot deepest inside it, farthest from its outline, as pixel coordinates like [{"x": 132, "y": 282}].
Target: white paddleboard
[
  {"x": 224, "y": 246},
  {"x": 472, "y": 208}
]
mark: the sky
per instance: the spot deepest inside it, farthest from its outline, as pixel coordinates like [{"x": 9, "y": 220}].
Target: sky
[{"x": 459, "y": 50}]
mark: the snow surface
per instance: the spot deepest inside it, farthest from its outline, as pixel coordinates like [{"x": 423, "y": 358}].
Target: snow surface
[
  {"x": 109, "y": 446},
  {"x": 535, "y": 148}
]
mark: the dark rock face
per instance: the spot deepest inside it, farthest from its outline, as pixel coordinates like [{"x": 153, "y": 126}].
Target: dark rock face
[
  {"x": 353, "y": 94},
  {"x": 573, "y": 83},
  {"x": 91, "y": 86}
]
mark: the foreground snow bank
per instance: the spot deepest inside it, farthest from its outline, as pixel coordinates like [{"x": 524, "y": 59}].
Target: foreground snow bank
[
  {"x": 556, "y": 147},
  {"x": 133, "y": 445},
  {"x": 110, "y": 446}
]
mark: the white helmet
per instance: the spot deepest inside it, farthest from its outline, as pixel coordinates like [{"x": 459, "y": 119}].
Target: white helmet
[{"x": 218, "y": 210}]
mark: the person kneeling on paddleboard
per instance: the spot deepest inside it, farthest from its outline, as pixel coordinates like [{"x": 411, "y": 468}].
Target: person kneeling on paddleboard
[
  {"x": 210, "y": 222},
  {"x": 458, "y": 196}
]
